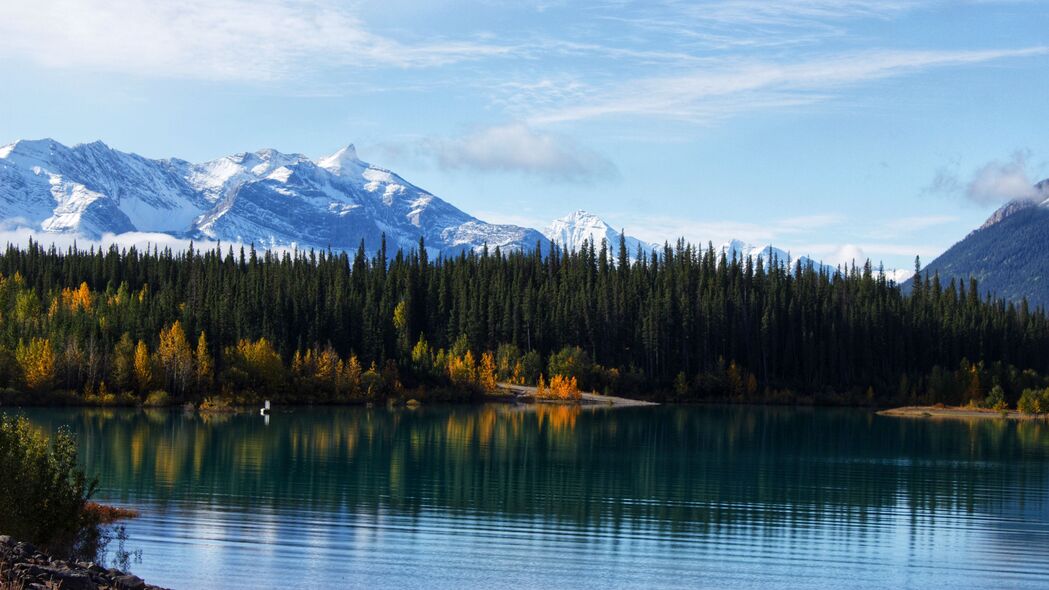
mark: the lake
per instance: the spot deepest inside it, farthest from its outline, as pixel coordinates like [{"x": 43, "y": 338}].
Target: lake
[{"x": 555, "y": 496}]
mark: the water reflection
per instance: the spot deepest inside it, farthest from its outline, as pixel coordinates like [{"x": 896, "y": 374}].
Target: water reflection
[
  {"x": 670, "y": 464},
  {"x": 709, "y": 488}
]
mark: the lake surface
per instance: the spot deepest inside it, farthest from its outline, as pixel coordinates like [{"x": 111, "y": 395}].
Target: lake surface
[{"x": 503, "y": 497}]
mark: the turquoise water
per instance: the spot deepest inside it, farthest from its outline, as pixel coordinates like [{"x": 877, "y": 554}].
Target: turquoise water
[{"x": 503, "y": 497}]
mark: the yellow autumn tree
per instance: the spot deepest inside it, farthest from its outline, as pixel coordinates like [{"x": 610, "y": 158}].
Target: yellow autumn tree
[
  {"x": 540, "y": 388},
  {"x": 462, "y": 371},
  {"x": 37, "y": 361},
  {"x": 327, "y": 369},
  {"x": 77, "y": 299},
  {"x": 486, "y": 372},
  {"x": 350, "y": 377},
  {"x": 122, "y": 367},
  {"x": 143, "y": 367},
  {"x": 255, "y": 365},
  {"x": 175, "y": 358},
  {"x": 203, "y": 365}
]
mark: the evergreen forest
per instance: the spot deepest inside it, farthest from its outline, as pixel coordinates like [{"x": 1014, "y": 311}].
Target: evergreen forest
[{"x": 686, "y": 323}]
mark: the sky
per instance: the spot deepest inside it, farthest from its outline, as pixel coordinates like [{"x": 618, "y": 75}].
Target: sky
[{"x": 838, "y": 129}]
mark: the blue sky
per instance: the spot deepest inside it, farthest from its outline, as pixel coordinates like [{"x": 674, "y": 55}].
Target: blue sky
[{"x": 838, "y": 129}]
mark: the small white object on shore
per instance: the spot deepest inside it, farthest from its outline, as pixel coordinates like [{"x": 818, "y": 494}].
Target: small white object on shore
[{"x": 266, "y": 409}]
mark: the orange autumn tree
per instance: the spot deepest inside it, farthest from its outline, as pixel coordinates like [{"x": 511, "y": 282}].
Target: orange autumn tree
[
  {"x": 565, "y": 388},
  {"x": 486, "y": 372}
]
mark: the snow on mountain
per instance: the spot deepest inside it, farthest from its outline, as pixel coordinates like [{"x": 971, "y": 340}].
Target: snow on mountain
[
  {"x": 768, "y": 254},
  {"x": 573, "y": 230},
  {"x": 93, "y": 189},
  {"x": 266, "y": 197}
]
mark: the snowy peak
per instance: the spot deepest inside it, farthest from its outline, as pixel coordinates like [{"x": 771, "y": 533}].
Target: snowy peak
[
  {"x": 265, "y": 197},
  {"x": 577, "y": 228},
  {"x": 769, "y": 254},
  {"x": 343, "y": 160}
]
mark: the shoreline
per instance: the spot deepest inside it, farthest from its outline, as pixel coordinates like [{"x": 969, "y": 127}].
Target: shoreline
[
  {"x": 956, "y": 412},
  {"x": 22, "y": 565},
  {"x": 526, "y": 394}
]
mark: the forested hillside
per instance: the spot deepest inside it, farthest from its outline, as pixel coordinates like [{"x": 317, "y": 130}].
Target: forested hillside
[{"x": 684, "y": 323}]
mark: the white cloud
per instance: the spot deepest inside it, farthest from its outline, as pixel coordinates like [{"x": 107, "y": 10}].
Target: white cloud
[
  {"x": 210, "y": 39},
  {"x": 737, "y": 86},
  {"x": 999, "y": 182},
  {"x": 993, "y": 183},
  {"x": 518, "y": 148}
]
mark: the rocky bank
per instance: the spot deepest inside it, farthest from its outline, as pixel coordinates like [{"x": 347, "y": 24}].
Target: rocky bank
[{"x": 23, "y": 567}]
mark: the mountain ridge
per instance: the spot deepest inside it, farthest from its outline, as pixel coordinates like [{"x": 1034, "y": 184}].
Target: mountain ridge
[
  {"x": 1006, "y": 254},
  {"x": 271, "y": 199},
  {"x": 265, "y": 197}
]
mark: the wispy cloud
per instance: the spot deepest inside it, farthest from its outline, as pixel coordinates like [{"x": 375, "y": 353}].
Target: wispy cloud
[
  {"x": 749, "y": 24},
  {"x": 662, "y": 228},
  {"x": 744, "y": 85},
  {"x": 519, "y": 149},
  {"x": 213, "y": 39},
  {"x": 907, "y": 225},
  {"x": 993, "y": 183}
]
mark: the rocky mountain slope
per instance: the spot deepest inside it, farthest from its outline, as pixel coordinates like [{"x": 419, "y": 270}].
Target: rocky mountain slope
[
  {"x": 1007, "y": 254},
  {"x": 267, "y": 198}
]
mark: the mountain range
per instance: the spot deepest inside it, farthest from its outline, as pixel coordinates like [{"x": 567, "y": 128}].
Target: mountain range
[
  {"x": 1007, "y": 254},
  {"x": 270, "y": 199},
  {"x": 266, "y": 197}
]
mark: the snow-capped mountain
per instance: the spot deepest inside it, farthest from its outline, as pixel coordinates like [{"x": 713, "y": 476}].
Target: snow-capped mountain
[
  {"x": 266, "y": 197},
  {"x": 768, "y": 254},
  {"x": 573, "y": 230},
  {"x": 1006, "y": 254}
]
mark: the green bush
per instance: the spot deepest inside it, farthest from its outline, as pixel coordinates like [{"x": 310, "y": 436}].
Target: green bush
[
  {"x": 157, "y": 398},
  {"x": 43, "y": 492},
  {"x": 571, "y": 361},
  {"x": 1034, "y": 401},
  {"x": 995, "y": 399}
]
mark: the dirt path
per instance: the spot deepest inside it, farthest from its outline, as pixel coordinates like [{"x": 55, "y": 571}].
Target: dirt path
[{"x": 588, "y": 398}]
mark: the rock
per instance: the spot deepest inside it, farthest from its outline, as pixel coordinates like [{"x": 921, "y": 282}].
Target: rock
[
  {"x": 23, "y": 567},
  {"x": 129, "y": 582}
]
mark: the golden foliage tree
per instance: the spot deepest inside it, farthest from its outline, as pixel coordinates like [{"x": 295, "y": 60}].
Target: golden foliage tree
[
  {"x": 462, "y": 370},
  {"x": 175, "y": 358},
  {"x": 37, "y": 362},
  {"x": 143, "y": 367},
  {"x": 486, "y": 372},
  {"x": 203, "y": 365},
  {"x": 122, "y": 368}
]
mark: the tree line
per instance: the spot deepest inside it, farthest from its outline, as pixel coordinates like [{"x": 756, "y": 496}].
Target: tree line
[{"x": 685, "y": 322}]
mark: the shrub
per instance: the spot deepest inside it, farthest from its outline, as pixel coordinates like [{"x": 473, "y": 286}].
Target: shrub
[
  {"x": 157, "y": 398},
  {"x": 1033, "y": 401},
  {"x": 216, "y": 403},
  {"x": 43, "y": 492},
  {"x": 571, "y": 361},
  {"x": 560, "y": 388},
  {"x": 995, "y": 399}
]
